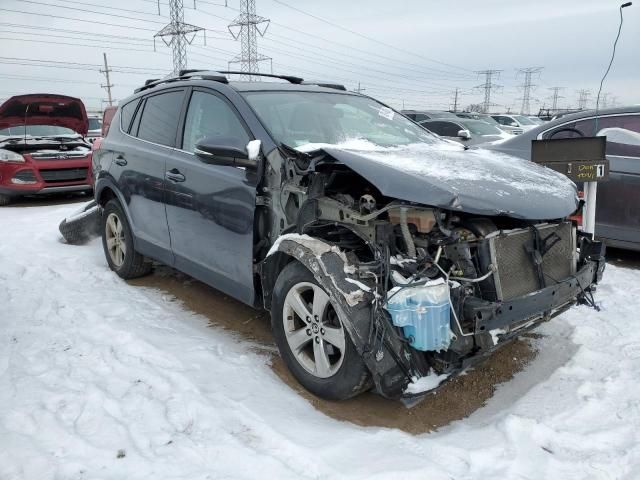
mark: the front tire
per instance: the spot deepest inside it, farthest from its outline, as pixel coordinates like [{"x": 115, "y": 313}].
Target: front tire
[
  {"x": 312, "y": 339},
  {"x": 117, "y": 242},
  {"x": 4, "y": 200}
]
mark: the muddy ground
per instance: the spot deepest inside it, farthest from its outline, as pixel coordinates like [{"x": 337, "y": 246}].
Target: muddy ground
[{"x": 457, "y": 399}]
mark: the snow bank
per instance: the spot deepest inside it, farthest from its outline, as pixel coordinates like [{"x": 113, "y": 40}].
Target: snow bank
[{"x": 92, "y": 369}]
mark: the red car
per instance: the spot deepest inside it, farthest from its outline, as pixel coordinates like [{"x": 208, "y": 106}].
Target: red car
[{"x": 43, "y": 147}]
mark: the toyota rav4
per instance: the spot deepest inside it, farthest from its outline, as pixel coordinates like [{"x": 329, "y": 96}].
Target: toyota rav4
[{"x": 388, "y": 258}]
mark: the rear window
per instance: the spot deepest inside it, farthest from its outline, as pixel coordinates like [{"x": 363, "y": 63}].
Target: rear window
[
  {"x": 159, "y": 122},
  {"x": 126, "y": 114}
]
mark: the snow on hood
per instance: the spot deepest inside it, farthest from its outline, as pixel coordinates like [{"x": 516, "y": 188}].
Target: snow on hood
[
  {"x": 44, "y": 109},
  {"x": 445, "y": 175}
]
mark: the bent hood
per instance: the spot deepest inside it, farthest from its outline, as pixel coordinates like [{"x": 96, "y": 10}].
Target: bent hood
[
  {"x": 44, "y": 109},
  {"x": 474, "y": 181}
]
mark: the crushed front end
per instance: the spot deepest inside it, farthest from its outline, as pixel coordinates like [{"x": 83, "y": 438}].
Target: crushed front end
[{"x": 425, "y": 291}]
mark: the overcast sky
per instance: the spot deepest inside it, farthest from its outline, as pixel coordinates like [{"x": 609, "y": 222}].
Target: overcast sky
[{"x": 411, "y": 52}]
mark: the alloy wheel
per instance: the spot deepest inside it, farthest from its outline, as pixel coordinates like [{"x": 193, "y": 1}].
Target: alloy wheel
[
  {"x": 116, "y": 245},
  {"x": 313, "y": 330}
]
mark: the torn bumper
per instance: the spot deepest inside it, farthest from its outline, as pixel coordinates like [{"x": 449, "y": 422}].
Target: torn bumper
[{"x": 505, "y": 315}]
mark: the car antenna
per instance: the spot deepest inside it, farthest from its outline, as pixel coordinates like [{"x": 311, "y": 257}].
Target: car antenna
[{"x": 613, "y": 56}]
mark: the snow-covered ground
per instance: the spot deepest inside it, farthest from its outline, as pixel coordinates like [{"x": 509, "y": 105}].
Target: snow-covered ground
[{"x": 102, "y": 380}]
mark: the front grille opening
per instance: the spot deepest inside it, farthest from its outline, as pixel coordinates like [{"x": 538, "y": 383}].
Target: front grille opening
[
  {"x": 24, "y": 176},
  {"x": 64, "y": 175}
]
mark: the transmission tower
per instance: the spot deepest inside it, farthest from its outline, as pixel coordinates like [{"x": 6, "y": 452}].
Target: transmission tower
[
  {"x": 555, "y": 97},
  {"x": 247, "y": 27},
  {"x": 583, "y": 98},
  {"x": 177, "y": 34},
  {"x": 604, "y": 100},
  {"x": 488, "y": 85},
  {"x": 527, "y": 86},
  {"x": 108, "y": 86},
  {"x": 456, "y": 94}
]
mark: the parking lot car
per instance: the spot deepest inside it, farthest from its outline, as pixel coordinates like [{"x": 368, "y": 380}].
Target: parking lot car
[
  {"x": 385, "y": 255},
  {"x": 519, "y": 121},
  {"x": 42, "y": 149},
  {"x": 95, "y": 127},
  {"x": 618, "y": 199},
  {"x": 420, "y": 115},
  {"x": 467, "y": 132},
  {"x": 489, "y": 119}
]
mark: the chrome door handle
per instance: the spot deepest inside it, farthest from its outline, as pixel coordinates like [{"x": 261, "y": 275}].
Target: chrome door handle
[{"x": 174, "y": 175}]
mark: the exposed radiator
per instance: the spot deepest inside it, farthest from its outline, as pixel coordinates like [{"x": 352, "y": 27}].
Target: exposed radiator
[{"x": 516, "y": 273}]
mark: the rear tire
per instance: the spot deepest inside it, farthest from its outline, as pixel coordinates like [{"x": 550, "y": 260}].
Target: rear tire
[
  {"x": 318, "y": 352},
  {"x": 117, "y": 242},
  {"x": 4, "y": 200}
]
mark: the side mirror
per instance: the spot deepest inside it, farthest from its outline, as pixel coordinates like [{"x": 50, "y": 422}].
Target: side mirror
[
  {"x": 464, "y": 134},
  {"x": 225, "y": 155}
]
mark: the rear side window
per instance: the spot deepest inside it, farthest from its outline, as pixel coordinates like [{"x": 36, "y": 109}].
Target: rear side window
[
  {"x": 126, "y": 114},
  {"x": 445, "y": 129},
  {"x": 160, "y": 116},
  {"x": 419, "y": 117}
]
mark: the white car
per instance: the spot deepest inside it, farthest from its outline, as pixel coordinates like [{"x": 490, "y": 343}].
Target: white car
[{"x": 525, "y": 123}]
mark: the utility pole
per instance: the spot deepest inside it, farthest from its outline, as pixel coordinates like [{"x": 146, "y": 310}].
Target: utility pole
[
  {"x": 108, "y": 85},
  {"x": 180, "y": 34},
  {"x": 455, "y": 99},
  {"x": 583, "y": 98},
  {"x": 247, "y": 27},
  {"x": 555, "y": 96},
  {"x": 488, "y": 85},
  {"x": 527, "y": 86},
  {"x": 360, "y": 89}
]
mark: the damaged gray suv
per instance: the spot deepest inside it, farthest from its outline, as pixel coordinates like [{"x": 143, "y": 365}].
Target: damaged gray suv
[{"x": 388, "y": 258}]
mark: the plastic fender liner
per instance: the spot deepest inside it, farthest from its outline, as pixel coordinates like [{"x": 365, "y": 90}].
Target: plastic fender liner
[{"x": 354, "y": 304}]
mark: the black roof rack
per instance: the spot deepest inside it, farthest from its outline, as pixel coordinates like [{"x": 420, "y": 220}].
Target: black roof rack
[
  {"x": 318, "y": 83},
  {"x": 183, "y": 75},
  {"x": 288, "y": 78},
  {"x": 219, "y": 76}
]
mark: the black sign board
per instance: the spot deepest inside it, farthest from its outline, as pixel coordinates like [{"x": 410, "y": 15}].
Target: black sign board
[{"x": 580, "y": 159}]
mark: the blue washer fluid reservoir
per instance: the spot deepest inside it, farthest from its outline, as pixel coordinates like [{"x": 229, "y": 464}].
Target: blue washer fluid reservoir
[{"x": 423, "y": 312}]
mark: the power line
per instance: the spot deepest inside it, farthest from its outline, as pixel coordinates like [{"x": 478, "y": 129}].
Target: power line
[
  {"x": 368, "y": 38},
  {"x": 343, "y": 46},
  {"x": 93, "y": 11},
  {"x": 129, "y": 27},
  {"x": 79, "y": 64},
  {"x": 248, "y": 28}
]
